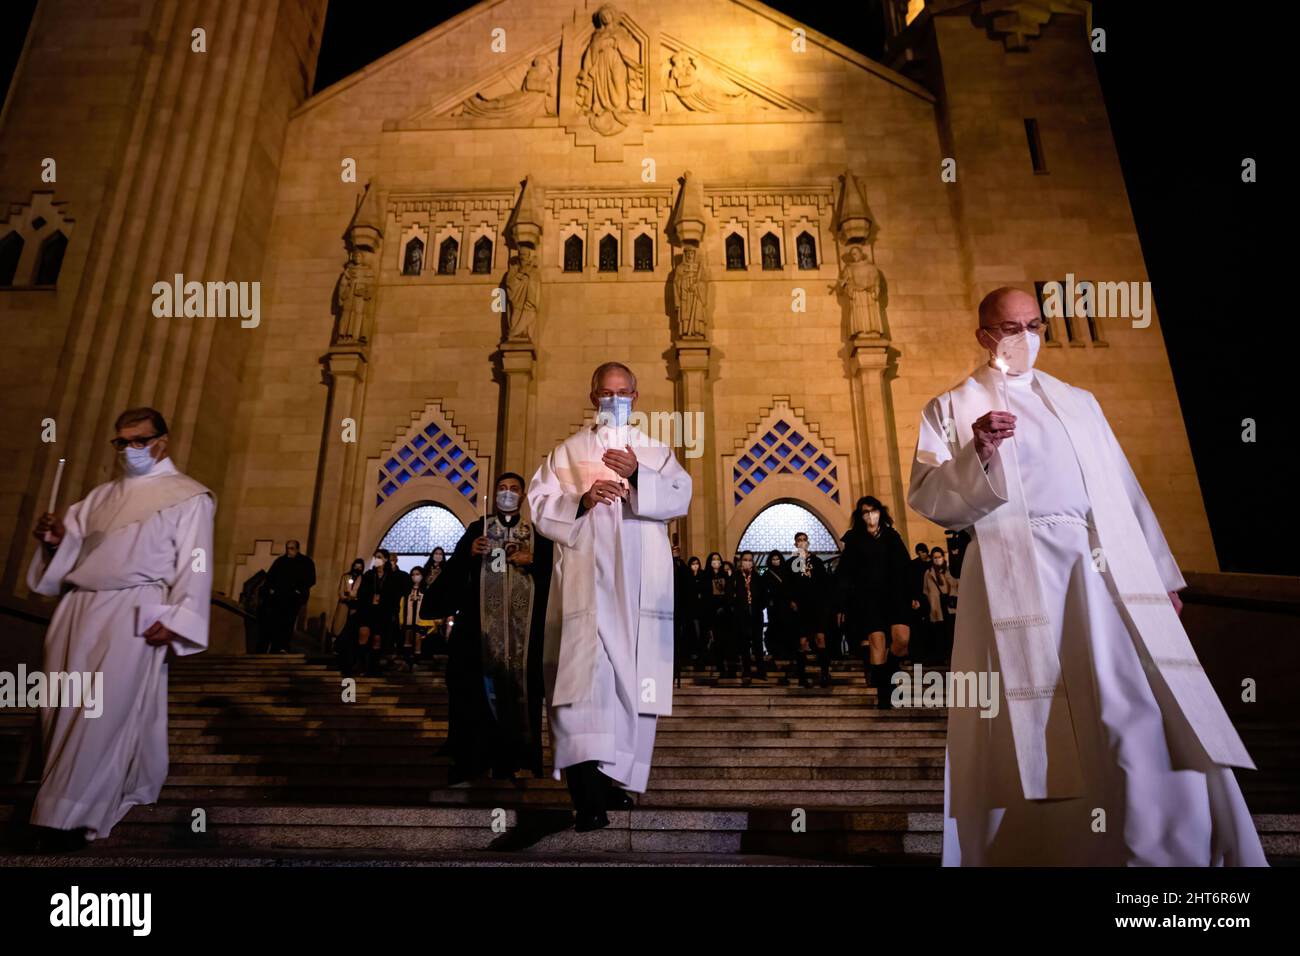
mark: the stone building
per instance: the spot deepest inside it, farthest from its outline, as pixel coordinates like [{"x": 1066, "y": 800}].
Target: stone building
[{"x": 784, "y": 239}]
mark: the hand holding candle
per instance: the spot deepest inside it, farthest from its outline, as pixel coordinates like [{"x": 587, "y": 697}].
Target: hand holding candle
[{"x": 53, "y": 534}]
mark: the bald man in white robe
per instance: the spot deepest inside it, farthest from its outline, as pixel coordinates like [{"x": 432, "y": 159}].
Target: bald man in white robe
[
  {"x": 132, "y": 562},
  {"x": 1109, "y": 746},
  {"x": 605, "y": 496}
]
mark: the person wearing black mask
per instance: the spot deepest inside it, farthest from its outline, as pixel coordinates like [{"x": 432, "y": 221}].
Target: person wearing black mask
[
  {"x": 779, "y": 637},
  {"x": 349, "y": 585},
  {"x": 875, "y": 590},
  {"x": 810, "y": 599}
]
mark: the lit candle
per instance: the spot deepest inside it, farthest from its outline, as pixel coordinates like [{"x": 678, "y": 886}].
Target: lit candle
[
  {"x": 1000, "y": 362},
  {"x": 54, "y": 489}
]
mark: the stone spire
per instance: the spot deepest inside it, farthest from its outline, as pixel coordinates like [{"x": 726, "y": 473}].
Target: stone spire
[
  {"x": 525, "y": 225},
  {"x": 688, "y": 220},
  {"x": 852, "y": 216}
]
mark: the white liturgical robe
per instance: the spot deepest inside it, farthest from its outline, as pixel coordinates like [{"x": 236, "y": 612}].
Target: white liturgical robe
[
  {"x": 1109, "y": 746},
  {"x": 128, "y": 559},
  {"x": 609, "y": 620}
]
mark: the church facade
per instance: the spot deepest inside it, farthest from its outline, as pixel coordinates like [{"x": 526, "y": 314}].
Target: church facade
[{"x": 783, "y": 239}]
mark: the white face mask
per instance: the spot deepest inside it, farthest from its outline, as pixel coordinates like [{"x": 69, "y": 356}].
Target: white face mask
[
  {"x": 1019, "y": 351},
  {"x": 507, "y": 500},
  {"x": 136, "y": 461},
  {"x": 376, "y": 562}
]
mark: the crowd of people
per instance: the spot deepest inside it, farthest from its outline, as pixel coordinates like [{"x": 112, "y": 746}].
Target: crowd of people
[
  {"x": 870, "y": 601},
  {"x": 751, "y": 616}
]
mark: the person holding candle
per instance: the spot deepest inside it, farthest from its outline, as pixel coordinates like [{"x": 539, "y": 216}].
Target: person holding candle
[
  {"x": 609, "y": 627},
  {"x": 132, "y": 561},
  {"x": 1108, "y": 746}
]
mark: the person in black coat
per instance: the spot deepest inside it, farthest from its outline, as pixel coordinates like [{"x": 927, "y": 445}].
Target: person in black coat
[
  {"x": 812, "y": 610},
  {"x": 494, "y": 669},
  {"x": 749, "y": 599},
  {"x": 378, "y": 599},
  {"x": 875, "y": 584},
  {"x": 288, "y": 583},
  {"x": 695, "y": 604},
  {"x": 780, "y": 638},
  {"x": 716, "y": 611}
]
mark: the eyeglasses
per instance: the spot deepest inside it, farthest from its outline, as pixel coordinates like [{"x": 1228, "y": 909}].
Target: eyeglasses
[
  {"x": 610, "y": 393},
  {"x": 1011, "y": 328},
  {"x": 141, "y": 442}
]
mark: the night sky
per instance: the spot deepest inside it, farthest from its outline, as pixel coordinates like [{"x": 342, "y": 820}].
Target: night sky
[{"x": 1188, "y": 98}]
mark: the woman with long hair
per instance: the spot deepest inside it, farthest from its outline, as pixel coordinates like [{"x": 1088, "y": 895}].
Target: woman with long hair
[
  {"x": 717, "y": 608},
  {"x": 874, "y": 585},
  {"x": 778, "y": 637},
  {"x": 349, "y": 583}
]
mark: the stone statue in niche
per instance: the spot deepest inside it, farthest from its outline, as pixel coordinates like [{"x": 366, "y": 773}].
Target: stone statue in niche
[
  {"x": 611, "y": 79},
  {"x": 521, "y": 104},
  {"x": 355, "y": 288},
  {"x": 686, "y": 87},
  {"x": 691, "y": 294},
  {"x": 859, "y": 282},
  {"x": 523, "y": 284}
]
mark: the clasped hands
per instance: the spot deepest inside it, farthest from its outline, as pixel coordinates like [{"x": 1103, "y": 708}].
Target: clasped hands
[{"x": 624, "y": 464}]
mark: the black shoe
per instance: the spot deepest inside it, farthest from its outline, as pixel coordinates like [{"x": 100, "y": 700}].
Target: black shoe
[
  {"x": 52, "y": 840},
  {"x": 805, "y": 682},
  {"x": 826, "y": 680},
  {"x": 616, "y": 798},
  {"x": 586, "y": 822}
]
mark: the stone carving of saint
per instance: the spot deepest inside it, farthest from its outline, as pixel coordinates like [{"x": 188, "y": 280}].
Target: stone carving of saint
[
  {"x": 859, "y": 281},
  {"x": 611, "y": 82},
  {"x": 691, "y": 294},
  {"x": 523, "y": 296},
  {"x": 685, "y": 86},
  {"x": 355, "y": 288},
  {"x": 521, "y": 104}
]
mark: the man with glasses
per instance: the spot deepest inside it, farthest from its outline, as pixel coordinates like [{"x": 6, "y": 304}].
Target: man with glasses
[
  {"x": 1106, "y": 744},
  {"x": 608, "y": 656},
  {"x": 133, "y": 562}
]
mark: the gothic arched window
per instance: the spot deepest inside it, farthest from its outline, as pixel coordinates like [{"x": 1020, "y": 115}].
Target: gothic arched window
[
  {"x": 771, "y": 247},
  {"x": 573, "y": 254},
  {"x": 735, "y": 251},
  {"x": 415, "y": 534},
  {"x": 413, "y": 258},
  {"x": 774, "y": 528},
  {"x": 51, "y": 259},
  {"x": 11, "y": 250},
  {"x": 483, "y": 256},
  {"x": 643, "y": 254},
  {"x": 806, "y": 249},
  {"x": 608, "y": 254},
  {"x": 447, "y": 253}
]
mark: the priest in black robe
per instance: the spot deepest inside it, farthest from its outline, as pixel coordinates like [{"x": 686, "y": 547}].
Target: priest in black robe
[{"x": 497, "y": 583}]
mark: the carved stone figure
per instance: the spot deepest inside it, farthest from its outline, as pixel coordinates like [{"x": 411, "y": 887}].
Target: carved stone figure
[
  {"x": 611, "y": 80},
  {"x": 355, "y": 289},
  {"x": 691, "y": 294},
  {"x": 523, "y": 295},
  {"x": 859, "y": 281},
  {"x": 687, "y": 87},
  {"x": 521, "y": 104}
]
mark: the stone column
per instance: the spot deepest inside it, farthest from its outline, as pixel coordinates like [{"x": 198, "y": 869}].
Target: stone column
[
  {"x": 877, "y": 442},
  {"x": 343, "y": 372},
  {"x": 693, "y": 400},
  {"x": 518, "y": 365}
]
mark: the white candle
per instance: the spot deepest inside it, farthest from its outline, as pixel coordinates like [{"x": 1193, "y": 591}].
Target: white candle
[
  {"x": 54, "y": 489},
  {"x": 1006, "y": 391}
]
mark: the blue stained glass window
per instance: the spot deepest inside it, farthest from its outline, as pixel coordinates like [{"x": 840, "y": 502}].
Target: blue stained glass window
[
  {"x": 781, "y": 428},
  {"x": 389, "y": 488},
  {"x": 405, "y": 454},
  {"x": 823, "y": 462},
  {"x": 825, "y": 486},
  {"x": 769, "y": 439},
  {"x": 455, "y": 454},
  {"x": 772, "y": 461},
  {"x": 784, "y": 450},
  {"x": 418, "y": 442},
  {"x": 759, "y": 474},
  {"x": 746, "y": 462},
  {"x": 795, "y": 439},
  {"x": 418, "y": 466},
  {"x": 391, "y": 465},
  {"x": 443, "y": 441},
  {"x": 797, "y": 462}
]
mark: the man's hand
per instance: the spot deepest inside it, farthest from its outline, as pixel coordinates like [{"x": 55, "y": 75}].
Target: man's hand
[
  {"x": 157, "y": 634},
  {"x": 603, "y": 490},
  {"x": 916, "y": 605},
  {"x": 990, "y": 431},
  {"x": 479, "y": 547},
  {"x": 1177, "y": 602},
  {"x": 520, "y": 558},
  {"x": 622, "y": 463},
  {"x": 50, "y": 524}
]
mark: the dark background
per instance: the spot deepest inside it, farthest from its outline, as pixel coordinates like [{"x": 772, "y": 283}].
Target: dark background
[{"x": 1188, "y": 98}]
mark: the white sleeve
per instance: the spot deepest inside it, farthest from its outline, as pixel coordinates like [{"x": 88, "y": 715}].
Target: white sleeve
[
  {"x": 190, "y": 594},
  {"x": 554, "y": 511},
  {"x": 45, "y": 575},
  {"x": 661, "y": 494},
  {"x": 953, "y": 491}
]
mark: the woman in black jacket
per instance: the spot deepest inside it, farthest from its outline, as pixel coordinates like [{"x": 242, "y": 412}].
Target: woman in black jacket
[{"x": 874, "y": 581}]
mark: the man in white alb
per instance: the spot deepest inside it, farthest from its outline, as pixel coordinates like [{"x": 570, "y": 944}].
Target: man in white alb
[
  {"x": 605, "y": 496},
  {"x": 131, "y": 561},
  {"x": 1109, "y": 746}
]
